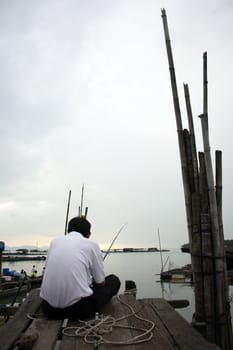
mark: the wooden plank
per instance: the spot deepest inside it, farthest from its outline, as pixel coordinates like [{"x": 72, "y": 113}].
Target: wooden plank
[
  {"x": 161, "y": 339},
  {"x": 171, "y": 330},
  {"x": 115, "y": 309},
  {"x": 179, "y": 303},
  {"x": 48, "y": 331},
  {"x": 118, "y": 311},
  {"x": 184, "y": 335},
  {"x": 74, "y": 343},
  {"x": 15, "y": 326}
]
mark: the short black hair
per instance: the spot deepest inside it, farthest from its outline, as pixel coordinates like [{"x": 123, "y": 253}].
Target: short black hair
[{"x": 80, "y": 225}]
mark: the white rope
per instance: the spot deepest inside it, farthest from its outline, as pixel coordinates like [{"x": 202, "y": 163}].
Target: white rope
[{"x": 93, "y": 331}]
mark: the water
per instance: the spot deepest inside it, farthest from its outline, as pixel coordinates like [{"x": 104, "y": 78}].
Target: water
[{"x": 144, "y": 270}]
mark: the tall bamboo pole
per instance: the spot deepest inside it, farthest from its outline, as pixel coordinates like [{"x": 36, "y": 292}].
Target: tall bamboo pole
[
  {"x": 67, "y": 211},
  {"x": 206, "y": 253},
  {"x": 221, "y": 315},
  {"x": 199, "y": 320},
  {"x": 218, "y": 177},
  {"x": 192, "y": 136},
  {"x": 81, "y": 205},
  {"x": 199, "y": 316},
  {"x": 179, "y": 127}
]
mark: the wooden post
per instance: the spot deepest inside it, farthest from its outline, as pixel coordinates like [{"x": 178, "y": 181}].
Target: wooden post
[{"x": 130, "y": 287}]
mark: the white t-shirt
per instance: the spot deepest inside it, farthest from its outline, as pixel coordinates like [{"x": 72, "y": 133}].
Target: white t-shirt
[{"x": 71, "y": 262}]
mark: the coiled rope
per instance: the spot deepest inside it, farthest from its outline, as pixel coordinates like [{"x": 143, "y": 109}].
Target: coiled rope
[{"x": 93, "y": 331}]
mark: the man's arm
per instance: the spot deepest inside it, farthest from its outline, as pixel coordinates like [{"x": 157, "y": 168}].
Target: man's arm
[
  {"x": 102, "y": 284},
  {"x": 97, "y": 267}
]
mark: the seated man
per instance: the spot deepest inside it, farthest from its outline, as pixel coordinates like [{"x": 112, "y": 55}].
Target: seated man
[
  {"x": 33, "y": 271},
  {"x": 74, "y": 284}
]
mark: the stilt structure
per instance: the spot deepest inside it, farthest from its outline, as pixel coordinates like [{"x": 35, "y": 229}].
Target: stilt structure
[{"x": 203, "y": 202}]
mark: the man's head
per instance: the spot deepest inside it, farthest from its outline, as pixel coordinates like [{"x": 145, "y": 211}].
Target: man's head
[{"x": 80, "y": 225}]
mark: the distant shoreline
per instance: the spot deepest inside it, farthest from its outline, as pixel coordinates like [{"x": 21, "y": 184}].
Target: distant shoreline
[{"x": 41, "y": 255}]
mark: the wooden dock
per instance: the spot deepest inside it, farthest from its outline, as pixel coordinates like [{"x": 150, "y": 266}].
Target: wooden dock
[{"x": 164, "y": 328}]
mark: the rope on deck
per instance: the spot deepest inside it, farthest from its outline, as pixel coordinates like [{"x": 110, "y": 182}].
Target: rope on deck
[{"x": 93, "y": 331}]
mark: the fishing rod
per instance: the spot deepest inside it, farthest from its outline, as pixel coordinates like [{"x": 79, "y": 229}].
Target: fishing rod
[
  {"x": 67, "y": 212},
  {"x": 114, "y": 239}
]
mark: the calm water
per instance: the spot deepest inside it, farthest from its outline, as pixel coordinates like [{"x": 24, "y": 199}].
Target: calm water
[{"x": 144, "y": 269}]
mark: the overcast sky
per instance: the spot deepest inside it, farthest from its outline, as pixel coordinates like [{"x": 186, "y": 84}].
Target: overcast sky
[{"x": 85, "y": 98}]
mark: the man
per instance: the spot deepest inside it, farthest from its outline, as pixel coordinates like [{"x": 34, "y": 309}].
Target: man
[
  {"x": 33, "y": 271},
  {"x": 74, "y": 284}
]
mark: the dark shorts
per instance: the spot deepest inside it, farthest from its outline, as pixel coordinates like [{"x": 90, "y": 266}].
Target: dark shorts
[{"x": 88, "y": 306}]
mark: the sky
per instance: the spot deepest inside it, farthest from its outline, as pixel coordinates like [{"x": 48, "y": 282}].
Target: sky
[{"x": 85, "y": 98}]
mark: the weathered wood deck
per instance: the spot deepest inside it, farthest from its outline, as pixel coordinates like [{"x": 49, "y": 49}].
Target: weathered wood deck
[{"x": 170, "y": 330}]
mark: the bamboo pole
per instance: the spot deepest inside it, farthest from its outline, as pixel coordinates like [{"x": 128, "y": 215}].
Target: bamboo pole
[
  {"x": 199, "y": 316},
  {"x": 86, "y": 210},
  {"x": 189, "y": 162},
  {"x": 185, "y": 157},
  {"x": 218, "y": 177},
  {"x": 160, "y": 249},
  {"x": 81, "y": 205},
  {"x": 179, "y": 128},
  {"x": 192, "y": 136},
  {"x": 221, "y": 315},
  {"x": 0, "y": 270},
  {"x": 197, "y": 260},
  {"x": 196, "y": 237},
  {"x": 206, "y": 253},
  {"x": 67, "y": 211}
]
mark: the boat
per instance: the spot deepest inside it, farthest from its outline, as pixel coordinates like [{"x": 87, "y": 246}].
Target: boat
[
  {"x": 14, "y": 257},
  {"x": 14, "y": 282},
  {"x": 9, "y": 291},
  {"x": 182, "y": 274}
]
